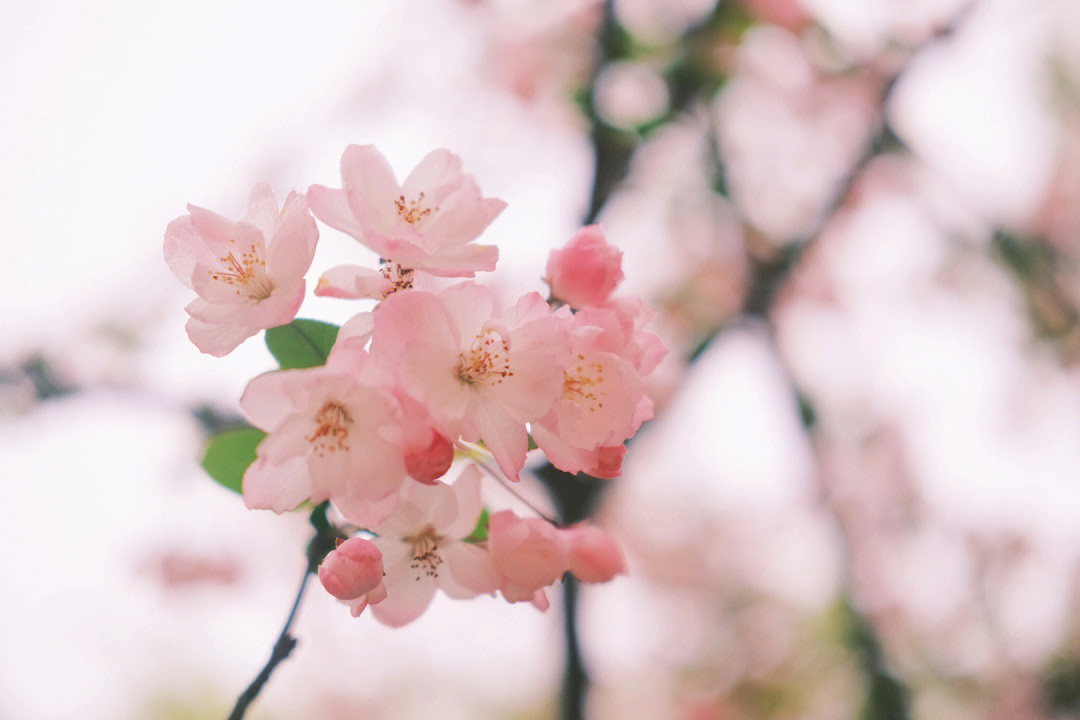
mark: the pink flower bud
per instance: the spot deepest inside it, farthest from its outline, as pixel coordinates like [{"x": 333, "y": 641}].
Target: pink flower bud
[
  {"x": 585, "y": 271},
  {"x": 428, "y": 464},
  {"x": 528, "y": 554},
  {"x": 594, "y": 555},
  {"x": 352, "y": 570}
]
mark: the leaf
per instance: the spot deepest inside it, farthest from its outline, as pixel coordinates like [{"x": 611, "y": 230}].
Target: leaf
[
  {"x": 480, "y": 532},
  {"x": 302, "y": 343},
  {"x": 229, "y": 453}
]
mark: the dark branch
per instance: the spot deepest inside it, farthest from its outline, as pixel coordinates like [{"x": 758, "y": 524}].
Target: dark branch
[{"x": 284, "y": 645}]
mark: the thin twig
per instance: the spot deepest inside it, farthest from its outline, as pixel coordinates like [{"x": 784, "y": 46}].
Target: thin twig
[
  {"x": 499, "y": 478},
  {"x": 284, "y": 645}
]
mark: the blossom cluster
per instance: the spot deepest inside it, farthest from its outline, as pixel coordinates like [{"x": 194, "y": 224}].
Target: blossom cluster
[{"x": 438, "y": 369}]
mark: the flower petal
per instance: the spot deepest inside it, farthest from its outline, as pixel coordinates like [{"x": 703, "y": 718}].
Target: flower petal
[
  {"x": 278, "y": 487},
  {"x": 332, "y": 207},
  {"x": 217, "y": 340},
  {"x": 469, "y": 571}
]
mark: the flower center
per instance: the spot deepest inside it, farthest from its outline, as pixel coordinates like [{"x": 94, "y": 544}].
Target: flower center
[
  {"x": 400, "y": 278},
  {"x": 331, "y": 428},
  {"x": 425, "y": 554},
  {"x": 414, "y": 211},
  {"x": 487, "y": 360},
  {"x": 247, "y": 273},
  {"x": 582, "y": 384}
]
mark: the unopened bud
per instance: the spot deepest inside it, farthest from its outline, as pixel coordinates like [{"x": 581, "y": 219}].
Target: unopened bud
[
  {"x": 585, "y": 271},
  {"x": 429, "y": 464},
  {"x": 594, "y": 555},
  {"x": 354, "y": 568}
]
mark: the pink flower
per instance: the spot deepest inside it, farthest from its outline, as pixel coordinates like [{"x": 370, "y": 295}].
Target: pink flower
[
  {"x": 603, "y": 400},
  {"x": 249, "y": 275},
  {"x": 594, "y": 555},
  {"x": 586, "y": 270},
  {"x": 427, "y": 223},
  {"x": 480, "y": 374},
  {"x": 529, "y": 555},
  {"x": 422, "y": 548},
  {"x": 331, "y": 436},
  {"x": 353, "y": 569}
]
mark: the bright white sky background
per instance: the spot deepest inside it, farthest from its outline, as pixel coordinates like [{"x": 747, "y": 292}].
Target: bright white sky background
[{"x": 113, "y": 116}]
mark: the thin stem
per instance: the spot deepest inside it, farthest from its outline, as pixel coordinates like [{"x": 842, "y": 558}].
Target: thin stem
[
  {"x": 284, "y": 645},
  {"x": 499, "y": 478}
]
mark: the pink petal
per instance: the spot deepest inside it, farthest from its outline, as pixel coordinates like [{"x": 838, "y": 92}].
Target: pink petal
[
  {"x": 559, "y": 452},
  {"x": 469, "y": 306},
  {"x": 505, "y": 437},
  {"x": 352, "y": 282},
  {"x": 366, "y": 170},
  {"x": 468, "y": 568},
  {"x": 460, "y": 260},
  {"x": 595, "y": 557},
  {"x": 264, "y": 403},
  {"x": 539, "y": 351},
  {"x": 332, "y": 207},
  {"x": 437, "y": 503},
  {"x": 469, "y": 506},
  {"x": 436, "y": 170},
  {"x": 540, "y": 601},
  {"x": 278, "y": 487},
  {"x": 358, "y": 327},
  {"x": 263, "y": 210},
  {"x": 404, "y": 318},
  {"x": 280, "y": 308},
  {"x": 217, "y": 340},
  {"x": 366, "y": 513},
  {"x": 185, "y": 248},
  {"x": 291, "y": 248},
  {"x": 406, "y": 520},
  {"x": 430, "y": 375},
  {"x": 216, "y": 231},
  {"x": 408, "y": 594},
  {"x": 236, "y": 313}
]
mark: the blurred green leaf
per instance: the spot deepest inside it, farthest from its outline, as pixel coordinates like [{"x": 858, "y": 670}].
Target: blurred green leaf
[
  {"x": 229, "y": 454},
  {"x": 480, "y": 532},
  {"x": 301, "y": 343}
]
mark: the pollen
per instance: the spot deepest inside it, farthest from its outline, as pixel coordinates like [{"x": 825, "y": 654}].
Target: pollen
[
  {"x": 331, "y": 429},
  {"x": 400, "y": 278},
  {"x": 247, "y": 274},
  {"x": 425, "y": 554},
  {"x": 583, "y": 384},
  {"x": 412, "y": 212},
  {"x": 487, "y": 360}
]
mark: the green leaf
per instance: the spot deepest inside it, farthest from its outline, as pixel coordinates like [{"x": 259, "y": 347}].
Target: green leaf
[
  {"x": 301, "y": 343},
  {"x": 480, "y": 532},
  {"x": 229, "y": 454}
]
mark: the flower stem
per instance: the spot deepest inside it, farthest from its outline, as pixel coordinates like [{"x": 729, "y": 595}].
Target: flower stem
[
  {"x": 284, "y": 645},
  {"x": 325, "y": 535}
]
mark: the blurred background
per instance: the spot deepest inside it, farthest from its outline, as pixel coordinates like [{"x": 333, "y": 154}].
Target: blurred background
[{"x": 859, "y": 220}]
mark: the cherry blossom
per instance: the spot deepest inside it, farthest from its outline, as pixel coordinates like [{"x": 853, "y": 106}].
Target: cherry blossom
[
  {"x": 603, "y": 400},
  {"x": 423, "y": 549},
  {"x": 330, "y": 437},
  {"x": 249, "y": 275},
  {"x": 427, "y": 223},
  {"x": 586, "y": 270},
  {"x": 480, "y": 373}
]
